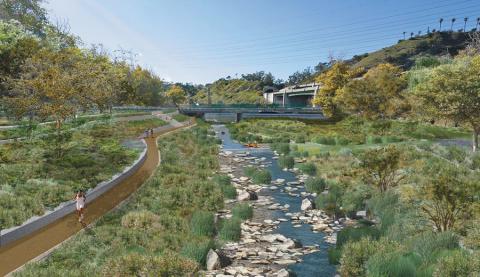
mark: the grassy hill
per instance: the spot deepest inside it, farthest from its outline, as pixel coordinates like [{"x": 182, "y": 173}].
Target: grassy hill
[
  {"x": 405, "y": 52},
  {"x": 232, "y": 91}
]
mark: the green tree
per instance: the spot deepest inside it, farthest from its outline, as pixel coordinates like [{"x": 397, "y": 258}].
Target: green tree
[
  {"x": 381, "y": 167},
  {"x": 446, "y": 197},
  {"x": 452, "y": 91},
  {"x": 29, "y": 13},
  {"x": 379, "y": 94},
  {"x": 332, "y": 82},
  {"x": 176, "y": 95}
]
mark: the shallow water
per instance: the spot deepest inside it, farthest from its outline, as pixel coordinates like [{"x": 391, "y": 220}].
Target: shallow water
[{"x": 315, "y": 264}]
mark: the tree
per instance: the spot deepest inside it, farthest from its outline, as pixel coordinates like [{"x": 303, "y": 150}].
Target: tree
[
  {"x": 452, "y": 91},
  {"x": 379, "y": 94},
  {"x": 446, "y": 197},
  {"x": 29, "y": 13},
  {"x": 331, "y": 82},
  {"x": 440, "y": 21},
  {"x": 176, "y": 94},
  {"x": 381, "y": 167},
  {"x": 465, "y": 23},
  {"x": 300, "y": 77},
  {"x": 453, "y": 21}
]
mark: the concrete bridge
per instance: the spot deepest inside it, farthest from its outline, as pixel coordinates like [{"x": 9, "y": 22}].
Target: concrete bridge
[
  {"x": 235, "y": 113},
  {"x": 298, "y": 95}
]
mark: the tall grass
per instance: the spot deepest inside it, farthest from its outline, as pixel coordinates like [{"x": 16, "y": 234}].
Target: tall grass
[
  {"x": 230, "y": 230},
  {"x": 202, "y": 223},
  {"x": 242, "y": 211}
]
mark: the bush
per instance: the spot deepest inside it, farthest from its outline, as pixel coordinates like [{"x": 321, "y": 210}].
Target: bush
[
  {"x": 355, "y": 255},
  {"x": 458, "y": 263},
  {"x": 197, "y": 251},
  {"x": 242, "y": 211},
  {"x": 308, "y": 168},
  {"x": 475, "y": 162},
  {"x": 325, "y": 140},
  {"x": 315, "y": 184},
  {"x": 286, "y": 162},
  {"x": 352, "y": 234},
  {"x": 230, "y": 230},
  {"x": 230, "y": 192},
  {"x": 249, "y": 171},
  {"x": 262, "y": 176},
  {"x": 281, "y": 148},
  {"x": 202, "y": 223},
  {"x": 393, "y": 264},
  {"x": 341, "y": 141}
]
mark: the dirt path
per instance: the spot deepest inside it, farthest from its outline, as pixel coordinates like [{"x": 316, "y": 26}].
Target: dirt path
[{"x": 20, "y": 252}]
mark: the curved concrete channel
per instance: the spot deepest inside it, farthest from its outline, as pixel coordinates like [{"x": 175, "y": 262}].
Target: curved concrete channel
[{"x": 16, "y": 254}]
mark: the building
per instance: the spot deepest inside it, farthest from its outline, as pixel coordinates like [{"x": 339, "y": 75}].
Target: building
[{"x": 293, "y": 96}]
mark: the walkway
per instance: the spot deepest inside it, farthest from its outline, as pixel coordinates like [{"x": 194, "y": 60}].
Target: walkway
[{"x": 20, "y": 252}]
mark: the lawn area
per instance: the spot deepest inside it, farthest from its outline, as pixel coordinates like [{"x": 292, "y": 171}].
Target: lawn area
[
  {"x": 39, "y": 173},
  {"x": 165, "y": 229}
]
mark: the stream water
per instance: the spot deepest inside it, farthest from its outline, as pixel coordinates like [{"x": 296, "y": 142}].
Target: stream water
[{"x": 315, "y": 264}]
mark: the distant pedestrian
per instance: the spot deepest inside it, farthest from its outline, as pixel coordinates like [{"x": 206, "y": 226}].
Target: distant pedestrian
[
  {"x": 145, "y": 133},
  {"x": 80, "y": 199},
  {"x": 151, "y": 132}
]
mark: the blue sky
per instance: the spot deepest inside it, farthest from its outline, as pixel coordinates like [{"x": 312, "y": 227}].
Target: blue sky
[{"x": 200, "y": 41}]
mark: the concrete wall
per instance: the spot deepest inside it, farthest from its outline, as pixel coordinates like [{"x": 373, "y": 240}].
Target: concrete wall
[
  {"x": 35, "y": 223},
  {"x": 220, "y": 117}
]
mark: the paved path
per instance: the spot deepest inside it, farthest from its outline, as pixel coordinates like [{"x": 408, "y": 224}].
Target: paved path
[{"x": 20, "y": 252}]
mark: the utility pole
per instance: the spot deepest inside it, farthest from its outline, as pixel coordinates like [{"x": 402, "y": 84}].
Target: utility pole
[{"x": 209, "y": 98}]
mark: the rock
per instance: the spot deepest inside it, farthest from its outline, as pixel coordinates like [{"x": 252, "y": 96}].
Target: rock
[
  {"x": 285, "y": 262},
  {"x": 319, "y": 227},
  {"x": 282, "y": 273},
  {"x": 362, "y": 213},
  {"x": 306, "y": 205},
  {"x": 245, "y": 195},
  {"x": 213, "y": 260}
]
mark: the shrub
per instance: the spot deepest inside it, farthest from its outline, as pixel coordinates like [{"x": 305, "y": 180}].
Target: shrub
[
  {"x": 352, "y": 234},
  {"x": 355, "y": 255},
  {"x": 324, "y": 140},
  {"x": 249, "y": 171},
  {"x": 458, "y": 263},
  {"x": 230, "y": 230},
  {"x": 230, "y": 192},
  {"x": 202, "y": 223},
  {"x": 242, "y": 211},
  {"x": 308, "y": 168},
  {"x": 197, "y": 250},
  {"x": 341, "y": 141},
  {"x": 393, "y": 264},
  {"x": 262, "y": 176},
  {"x": 315, "y": 184},
  {"x": 428, "y": 244},
  {"x": 475, "y": 162},
  {"x": 282, "y": 148},
  {"x": 286, "y": 162}
]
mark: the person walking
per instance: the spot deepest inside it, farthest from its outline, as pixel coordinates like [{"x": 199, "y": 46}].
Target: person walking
[
  {"x": 80, "y": 199},
  {"x": 151, "y": 132}
]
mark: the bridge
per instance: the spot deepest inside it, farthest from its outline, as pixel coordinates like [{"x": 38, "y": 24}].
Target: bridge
[
  {"x": 298, "y": 95},
  {"x": 235, "y": 113}
]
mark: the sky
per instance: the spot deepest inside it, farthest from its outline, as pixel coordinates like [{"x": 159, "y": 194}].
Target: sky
[{"x": 200, "y": 41}]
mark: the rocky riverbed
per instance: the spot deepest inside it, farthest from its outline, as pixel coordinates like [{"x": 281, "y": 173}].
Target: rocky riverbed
[{"x": 287, "y": 236}]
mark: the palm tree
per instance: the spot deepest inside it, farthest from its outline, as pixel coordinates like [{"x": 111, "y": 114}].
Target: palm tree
[
  {"x": 441, "y": 21},
  {"x": 411, "y": 35},
  {"x": 478, "y": 22},
  {"x": 419, "y": 33},
  {"x": 453, "y": 21},
  {"x": 465, "y": 23},
  {"x": 404, "y": 35}
]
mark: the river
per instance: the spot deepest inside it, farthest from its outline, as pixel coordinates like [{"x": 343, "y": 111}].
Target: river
[{"x": 315, "y": 264}]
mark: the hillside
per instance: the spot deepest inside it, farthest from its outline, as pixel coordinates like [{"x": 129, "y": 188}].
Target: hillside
[
  {"x": 405, "y": 52},
  {"x": 231, "y": 91}
]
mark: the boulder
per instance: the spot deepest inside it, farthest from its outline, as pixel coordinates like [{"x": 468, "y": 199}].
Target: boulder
[
  {"x": 306, "y": 205},
  {"x": 282, "y": 273},
  {"x": 213, "y": 260}
]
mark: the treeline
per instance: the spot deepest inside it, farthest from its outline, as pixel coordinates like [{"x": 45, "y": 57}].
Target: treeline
[{"x": 45, "y": 72}]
